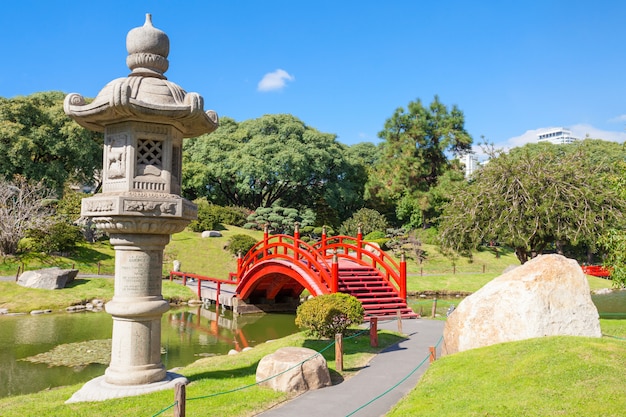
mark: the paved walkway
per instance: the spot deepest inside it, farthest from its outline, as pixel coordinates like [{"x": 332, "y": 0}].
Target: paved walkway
[{"x": 385, "y": 370}]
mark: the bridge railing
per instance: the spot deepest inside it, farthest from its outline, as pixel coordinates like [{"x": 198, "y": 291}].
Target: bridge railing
[
  {"x": 290, "y": 248},
  {"x": 365, "y": 253}
]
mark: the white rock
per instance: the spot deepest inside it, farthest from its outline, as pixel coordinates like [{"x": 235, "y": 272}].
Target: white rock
[
  {"x": 294, "y": 370},
  {"x": 547, "y": 296}
]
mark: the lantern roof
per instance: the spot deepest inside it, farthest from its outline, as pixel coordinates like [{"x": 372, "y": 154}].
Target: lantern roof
[{"x": 145, "y": 95}]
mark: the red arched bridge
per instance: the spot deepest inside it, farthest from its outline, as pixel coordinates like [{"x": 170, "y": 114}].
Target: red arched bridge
[{"x": 277, "y": 270}]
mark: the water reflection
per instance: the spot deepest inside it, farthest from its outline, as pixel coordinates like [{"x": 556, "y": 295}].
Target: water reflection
[{"x": 186, "y": 335}]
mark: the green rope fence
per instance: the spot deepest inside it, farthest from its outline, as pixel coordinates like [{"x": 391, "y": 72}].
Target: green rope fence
[{"x": 264, "y": 380}]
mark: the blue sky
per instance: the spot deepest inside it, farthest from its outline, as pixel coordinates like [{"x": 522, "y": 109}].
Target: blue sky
[{"x": 343, "y": 67}]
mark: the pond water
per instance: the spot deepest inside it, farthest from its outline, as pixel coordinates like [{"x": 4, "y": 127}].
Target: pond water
[
  {"x": 610, "y": 306},
  {"x": 187, "y": 335}
]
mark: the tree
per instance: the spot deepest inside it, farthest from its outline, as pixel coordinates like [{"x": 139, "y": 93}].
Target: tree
[
  {"x": 369, "y": 220},
  {"x": 40, "y": 143},
  {"x": 417, "y": 144},
  {"x": 23, "y": 205},
  {"x": 275, "y": 159},
  {"x": 535, "y": 197}
]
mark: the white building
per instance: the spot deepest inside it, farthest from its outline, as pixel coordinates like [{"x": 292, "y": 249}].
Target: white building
[
  {"x": 470, "y": 162},
  {"x": 557, "y": 136}
]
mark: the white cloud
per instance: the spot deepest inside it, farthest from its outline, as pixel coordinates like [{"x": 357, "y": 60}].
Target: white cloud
[
  {"x": 276, "y": 80},
  {"x": 619, "y": 119}
]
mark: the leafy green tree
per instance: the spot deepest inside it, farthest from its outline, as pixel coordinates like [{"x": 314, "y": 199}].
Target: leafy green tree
[
  {"x": 369, "y": 220},
  {"x": 40, "y": 143},
  {"x": 535, "y": 197},
  {"x": 275, "y": 159},
  {"x": 613, "y": 241},
  {"x": 416, "y": 149}
]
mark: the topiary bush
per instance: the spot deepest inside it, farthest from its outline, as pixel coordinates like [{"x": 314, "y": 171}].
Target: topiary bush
[
  {"x": 326, "y": 315},
  {"x": 212, "y": 216},
  {"x": 241, "y": 243}
]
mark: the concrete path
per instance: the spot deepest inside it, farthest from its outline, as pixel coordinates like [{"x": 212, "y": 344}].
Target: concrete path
[{"x": 371, "y": 391}]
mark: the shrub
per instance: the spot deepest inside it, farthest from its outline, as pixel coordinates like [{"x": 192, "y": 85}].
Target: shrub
[
  {"x": 329, "y": 314},
  {"x": 211, "y": 216},
  {"x": 59, "y": 237},
  {"x": 371, "y": 220},
  {"x": 241, "y": 243}
]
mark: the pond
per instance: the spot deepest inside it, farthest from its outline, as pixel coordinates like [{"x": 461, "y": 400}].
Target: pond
[
  {"x": 187, "y": 335},
  {"x": 611, "y": 305}
]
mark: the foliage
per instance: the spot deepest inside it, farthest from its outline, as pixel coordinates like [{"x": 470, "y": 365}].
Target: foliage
[
  {"x": 211, "y": 216},
  {"x": 56, "y": 237},
  {"x": 531, "y": 198},
  {"x": 280, "y": 220},
  {"x": 23, "y": 206},
  {"x": 613, "y": 241},
  {"x": 416, "y": 146},
  {"x": 329, "y": 314},
  {"x": 240, "y": 243},
  {"x": 369, "y": 220},
  {"x": 275, "y": 159},
  {"x": 39, "y": 142}
]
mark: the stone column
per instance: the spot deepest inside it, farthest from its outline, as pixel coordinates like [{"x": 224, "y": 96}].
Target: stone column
[{"x": 144, "y": 118}]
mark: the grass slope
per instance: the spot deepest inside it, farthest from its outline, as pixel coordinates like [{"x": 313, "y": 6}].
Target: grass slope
[{"x": 551, "y": 376}]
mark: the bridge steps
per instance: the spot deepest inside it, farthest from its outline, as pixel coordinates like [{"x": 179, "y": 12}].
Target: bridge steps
[{"x": 379, "y": 297}]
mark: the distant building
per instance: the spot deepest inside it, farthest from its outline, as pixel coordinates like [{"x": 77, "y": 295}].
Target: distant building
[
  {"x": 557, "y": 136},
  {"x": 470, "y": 162}
]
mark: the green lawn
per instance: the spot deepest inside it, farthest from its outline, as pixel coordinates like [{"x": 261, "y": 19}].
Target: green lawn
[
  {"x": 551, "y": 376},
  {"x": 220, "y": 386}
]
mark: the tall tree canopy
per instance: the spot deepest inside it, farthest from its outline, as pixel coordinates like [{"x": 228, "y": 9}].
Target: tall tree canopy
[
  {"x": 39, "y": 142},
  {"x": 417, "y": 149},
  {"x": 535, "y": 197},
  {"x": 269, "y": 160}
]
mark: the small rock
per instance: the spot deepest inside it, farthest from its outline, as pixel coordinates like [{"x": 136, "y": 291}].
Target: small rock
[
  {"x": 4, "y": 311},
  {"x": 232, "y": 352},
  {"x": 211, "y": 233}
]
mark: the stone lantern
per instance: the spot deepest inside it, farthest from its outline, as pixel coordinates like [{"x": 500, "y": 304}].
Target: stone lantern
[{"x": 144, "y": 118}]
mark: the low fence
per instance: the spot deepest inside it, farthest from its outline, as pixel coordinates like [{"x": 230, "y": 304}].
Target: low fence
[{"x": 180, "y": 397}]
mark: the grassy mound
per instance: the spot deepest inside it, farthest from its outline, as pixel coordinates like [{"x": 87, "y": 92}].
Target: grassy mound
[{"x": 551, "y": 376}]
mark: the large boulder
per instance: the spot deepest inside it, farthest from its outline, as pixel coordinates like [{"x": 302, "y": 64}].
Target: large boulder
[
  {"x": 293, "y": 370},
  {"x": 48, "y": 279},
  {"x": 547, "y": 296}
]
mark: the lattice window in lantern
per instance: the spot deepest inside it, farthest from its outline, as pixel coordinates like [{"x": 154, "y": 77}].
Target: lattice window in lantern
[{"x": 150, "y": 152}]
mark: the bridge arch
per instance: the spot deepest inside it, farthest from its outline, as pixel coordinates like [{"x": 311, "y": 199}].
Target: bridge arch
[{"x": 276, "y": 279}]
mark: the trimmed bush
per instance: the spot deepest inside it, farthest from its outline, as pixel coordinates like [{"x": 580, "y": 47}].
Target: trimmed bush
[
  {"x": 326, "y": 315},
  {"x": 241, "y": 243},
  {"x": 212, "y": 217}
]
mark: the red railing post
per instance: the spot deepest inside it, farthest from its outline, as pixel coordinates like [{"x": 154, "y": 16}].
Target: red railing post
[
  {"x": 403, "y": 277},
  {"x": 239, "y": 262},
  {"x": 217, "y": 298},
  {"x": 266, "y": 231},
  {"x": 296, "y": 239},
  {"x": 323, "y": 245},
  {"x": 359, "y": 242},
  {"x": 334, "y": 287}
]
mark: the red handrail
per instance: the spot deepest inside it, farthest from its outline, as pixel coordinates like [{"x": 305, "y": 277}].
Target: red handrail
[{"x": 392, "y": 272}]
